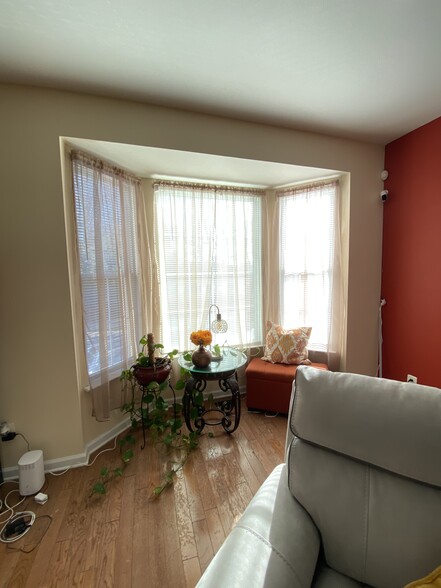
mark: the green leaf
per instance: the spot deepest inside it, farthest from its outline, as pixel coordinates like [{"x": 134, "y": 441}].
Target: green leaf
[
  {"x": 175, "y": 425},
  {"x": 127, "y": 455},
  {"x": 187, "y": 356},
  {"x": 180, "y": 385},
  {"x": 216, "y": 349},
  {"x": 104, "y": 471},
  {"x": 157, "y": 491},
  {"x": 99, "y": 488},
  {"x": 130, "y": 439},
  {"x": 168, "y": 439},
  {"x": 147, "y": 398},
  {"x": 118, "y": 472}
]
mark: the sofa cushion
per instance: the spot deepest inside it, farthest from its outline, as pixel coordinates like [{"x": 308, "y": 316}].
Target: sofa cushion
[
  {"x": 353, "y": 468},
  {"x": 286, "y": 346},
  {"x": 378, "y": 421}
]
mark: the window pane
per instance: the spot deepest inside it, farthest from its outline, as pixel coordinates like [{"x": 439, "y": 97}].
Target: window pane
[
  {"x": 209, "y": 245},
  {"x": 105, "y": 207},
  {"x": 306, "y": 220}
]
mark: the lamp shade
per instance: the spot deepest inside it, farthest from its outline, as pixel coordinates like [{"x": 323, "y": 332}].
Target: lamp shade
[{"x": 219, "y": 325}]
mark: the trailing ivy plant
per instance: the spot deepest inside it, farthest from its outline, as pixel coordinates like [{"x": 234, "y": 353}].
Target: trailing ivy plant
[
  {"x": 106, "y": 474},
  {"x": 164, "y": 420}
]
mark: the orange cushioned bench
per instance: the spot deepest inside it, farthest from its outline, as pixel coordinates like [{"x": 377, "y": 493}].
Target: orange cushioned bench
[{"x": 269, "y": 385}]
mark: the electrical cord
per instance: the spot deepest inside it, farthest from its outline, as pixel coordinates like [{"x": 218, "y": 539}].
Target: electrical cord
[
  {"x": 26, "y": 441},
  {"x": 88, "y": 464},
  {"x": 5, "y": 502},
  {"x": 17, "y": 526},
  {"x": 40, "y": 539}
]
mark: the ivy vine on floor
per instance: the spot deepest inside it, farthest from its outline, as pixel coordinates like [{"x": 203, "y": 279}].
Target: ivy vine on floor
[{"x": 161, "y": 419}]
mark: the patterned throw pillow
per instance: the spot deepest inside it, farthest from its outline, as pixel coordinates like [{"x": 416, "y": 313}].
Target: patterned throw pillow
[{"x": 288, "y": 346}]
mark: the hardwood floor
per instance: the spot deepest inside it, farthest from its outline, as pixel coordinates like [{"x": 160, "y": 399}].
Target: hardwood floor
[{"x": 126, "y": 539}]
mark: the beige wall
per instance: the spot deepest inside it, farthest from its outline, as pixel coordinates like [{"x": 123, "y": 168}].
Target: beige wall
[{"x": 38, "y": 387}]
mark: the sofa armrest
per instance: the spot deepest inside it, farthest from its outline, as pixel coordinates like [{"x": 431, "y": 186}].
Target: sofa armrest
[{"x": 275, "y": 543}]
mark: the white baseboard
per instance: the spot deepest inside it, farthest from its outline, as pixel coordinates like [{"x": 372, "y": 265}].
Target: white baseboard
[{"x": 74, "y": 461}]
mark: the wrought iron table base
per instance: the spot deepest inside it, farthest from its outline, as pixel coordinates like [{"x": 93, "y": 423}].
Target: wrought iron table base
[{"x": 226, "y": 411}]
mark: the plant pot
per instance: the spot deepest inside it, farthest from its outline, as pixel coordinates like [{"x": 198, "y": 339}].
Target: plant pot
[
  {"x": 145, "y": 375},
  {"x": 201, "y": 357}
]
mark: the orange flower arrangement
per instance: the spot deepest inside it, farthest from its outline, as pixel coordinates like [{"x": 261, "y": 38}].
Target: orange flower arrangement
[{"x": 201, "y": 337}]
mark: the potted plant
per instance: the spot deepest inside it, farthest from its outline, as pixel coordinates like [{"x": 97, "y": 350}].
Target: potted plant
[
  {"x": 146, "y": 381},
  {"x": 150, "y": 367}
]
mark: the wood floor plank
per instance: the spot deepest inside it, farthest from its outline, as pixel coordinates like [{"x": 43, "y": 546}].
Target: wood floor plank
[
  {"x": 106, "y": 555},
  {"x": 228, "y": 502},
  {"x": 142, "y": 537},
  {"x": 183, "y": 519},
  {"x": 194, "y": 495},
  {"x": 156, "y": 553},
  {"x": 40, "y": 569},
  {"x": 56, "y": 567},
  {"x": 192, "y": 572},
  {"x": 246, "y": 468},
  {"x": 88, "y": 579},
  {"x": 205, "y": 487},
  {"x": 174, "y": 567},
  {"x": 215, "y": 529},
  {"x": 255, "y": 463},
  {"x": 124, "y": 547},
  {"x": 203, "y": 543}
]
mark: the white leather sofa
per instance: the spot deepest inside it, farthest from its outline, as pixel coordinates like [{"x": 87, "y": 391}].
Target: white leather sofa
[{"x": 358, "y": 502}]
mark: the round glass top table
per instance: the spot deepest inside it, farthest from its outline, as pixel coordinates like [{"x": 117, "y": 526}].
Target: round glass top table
[{"x": 226, "y": 411}]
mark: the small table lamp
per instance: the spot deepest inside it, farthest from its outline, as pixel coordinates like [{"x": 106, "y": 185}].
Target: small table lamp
[{"x": 219, "y": 325}]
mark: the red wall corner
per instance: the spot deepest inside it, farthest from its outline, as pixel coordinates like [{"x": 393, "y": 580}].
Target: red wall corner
[{"x": 411, "y": 269}]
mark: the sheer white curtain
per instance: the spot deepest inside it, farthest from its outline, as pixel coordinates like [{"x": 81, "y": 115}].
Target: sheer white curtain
[
  {"x": 209, "y": 250},
  {"x": 114, "y": 277},
  {"x": 310, "y": 284}
]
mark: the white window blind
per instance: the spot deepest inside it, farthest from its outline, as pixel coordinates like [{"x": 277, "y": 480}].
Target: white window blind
[
  {"x": 106, "y": 228},
  {"x": 307, "y": 260},
  {"x": 209, "y": 249}
]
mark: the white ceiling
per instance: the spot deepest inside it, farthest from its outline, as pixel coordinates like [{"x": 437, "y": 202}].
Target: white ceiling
[{"x": 363, "y": 69}]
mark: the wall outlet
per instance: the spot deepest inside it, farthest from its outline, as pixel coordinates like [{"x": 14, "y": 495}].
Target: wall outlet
[
  {"x": 6, "y": 428},
  {"x": 411, "y": 379}
]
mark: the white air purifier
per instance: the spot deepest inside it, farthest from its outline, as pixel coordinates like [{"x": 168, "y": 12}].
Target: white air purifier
[{"x": 31, "y": 472}]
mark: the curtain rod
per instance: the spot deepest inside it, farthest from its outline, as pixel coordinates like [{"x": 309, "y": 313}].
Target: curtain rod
[
  {"x": 309, "y": 186},
  {"x": 205, "y": 186},
  {"x": 96, "y": 163}
]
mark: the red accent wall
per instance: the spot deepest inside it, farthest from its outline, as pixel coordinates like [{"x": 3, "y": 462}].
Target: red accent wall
[{"x": 411, "y": 277}]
